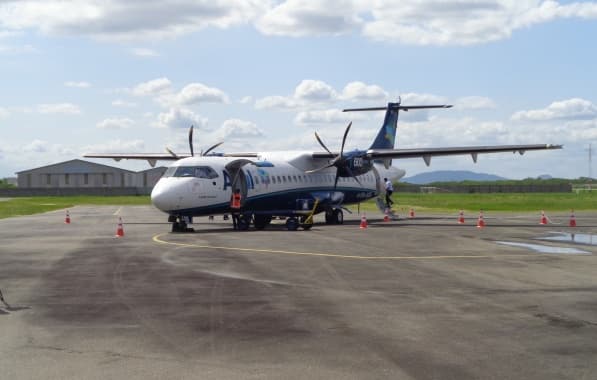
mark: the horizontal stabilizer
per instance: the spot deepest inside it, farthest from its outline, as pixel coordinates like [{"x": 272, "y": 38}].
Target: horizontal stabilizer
[{"x": 398, "y": 106}]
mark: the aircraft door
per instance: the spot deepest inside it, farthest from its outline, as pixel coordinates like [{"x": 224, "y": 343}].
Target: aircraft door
[{"x": 238, "y": 178}]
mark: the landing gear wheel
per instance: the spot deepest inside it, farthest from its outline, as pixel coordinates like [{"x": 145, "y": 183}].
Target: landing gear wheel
[
  {"x": 181, "y": 226},
  {"x": 329, "y": 217},
  {"x": 306, "y": 226},
  {"x": 243, "y": 222},
  {"x": 338, "y": 216},
  {"x": 261, "y": 221},
  {"x": 292, "y": 224}
]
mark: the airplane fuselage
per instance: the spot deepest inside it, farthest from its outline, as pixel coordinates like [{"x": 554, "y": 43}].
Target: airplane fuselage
[{"x": 275, "y": 183}]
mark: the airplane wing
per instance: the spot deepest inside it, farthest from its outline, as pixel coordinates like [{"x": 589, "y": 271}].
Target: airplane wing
[
  {"x": 152, "y": 158},
  {"x": 427, "y": 153}
]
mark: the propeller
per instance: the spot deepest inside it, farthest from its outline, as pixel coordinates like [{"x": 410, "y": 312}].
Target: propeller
[
  {"x": 191, "y": 146},
  {"x": 191, "y": 141},
  {"x": 339, "y": 161}
]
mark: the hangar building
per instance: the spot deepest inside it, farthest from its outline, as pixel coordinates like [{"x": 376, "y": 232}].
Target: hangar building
[{"x": 84, "y": 174}]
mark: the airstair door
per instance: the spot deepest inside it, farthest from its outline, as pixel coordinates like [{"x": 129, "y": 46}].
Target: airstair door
[{"x": 238, "y": 179}]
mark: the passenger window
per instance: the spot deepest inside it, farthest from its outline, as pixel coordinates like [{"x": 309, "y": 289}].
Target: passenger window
[
  {"x": 279, "y": 180},
  {"x": 294, "y": 178},
  {"x": 273, "y": 179}
]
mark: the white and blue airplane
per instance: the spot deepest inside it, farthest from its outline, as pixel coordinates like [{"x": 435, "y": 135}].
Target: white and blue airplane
[{"x": 292, "y": 184}]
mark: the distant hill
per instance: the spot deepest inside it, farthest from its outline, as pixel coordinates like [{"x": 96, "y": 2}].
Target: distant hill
[{"x": 450, "y": 176}]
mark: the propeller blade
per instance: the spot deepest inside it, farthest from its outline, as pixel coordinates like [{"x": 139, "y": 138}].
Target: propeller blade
[
  {"x": 212, "y": 148},
  {"x": 336, "y": 180},
  {"x": 319, "y": 169},
  {"x": 171, "y": 153},
  {"x": 353, "y": 176},
  {"x": 344, "y": 138},
  {"x": 191, "y": 140},
  {"x": 322, "y": 144}
]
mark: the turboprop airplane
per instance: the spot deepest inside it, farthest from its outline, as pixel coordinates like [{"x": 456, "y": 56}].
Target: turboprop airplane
[{"x": 291, "y": 184}]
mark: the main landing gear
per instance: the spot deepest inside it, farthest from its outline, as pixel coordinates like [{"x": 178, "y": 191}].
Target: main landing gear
[{"x": 334, "y": 216}]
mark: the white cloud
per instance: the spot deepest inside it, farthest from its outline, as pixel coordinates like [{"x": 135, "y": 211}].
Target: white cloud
[
  {"x": 233, "y": 129},
  {"x": 123, "y": 103},
  {"x": 569, "y": 109},
  {"x": 450, "y": 22},
  {"x": 276, "y": 101},
  {"x": 152, "y": 87},
  {"x": 115, "y": 123},
  {"x": 116, "y": 146},
  {"x": 463, "y": 23},
  {"x": 194, "y": 93},
  {"x": 144, "y": 52},
  {"x": 246, "y": 100},
  {"x": 323, "y": 117},
  {"x": 77, "y": 84},
  {"x": 307, "y": 93},
  {"x": 36, "y": 146},
  {"x": 60, "y": 108},
  {"x": 180, "y": 118},
  {"x": 361, "y": 91},
  {"x": 127, "y": 20},
  {"x": 299, "y": 18},
  {"x": 474, "y": 103},
  {"x": 314, "y": 91},
  {"x": 4, "y": 113}
]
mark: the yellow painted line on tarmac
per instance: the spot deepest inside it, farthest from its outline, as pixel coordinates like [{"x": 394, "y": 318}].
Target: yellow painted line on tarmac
[
  {"x": 117, "y": 211},
  {"x": 158, "y": 239}
]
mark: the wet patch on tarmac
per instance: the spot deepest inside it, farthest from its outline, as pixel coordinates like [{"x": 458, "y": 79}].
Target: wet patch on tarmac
[
  {"x": 562, "y": 321},
  {"x": 572, "y": 238},
  {"x": 546, "y": 248}
]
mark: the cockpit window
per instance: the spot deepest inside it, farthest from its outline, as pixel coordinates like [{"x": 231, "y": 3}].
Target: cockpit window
[
  {"x": 191, "y": 171},
  {"x": 170, "y": 171}
]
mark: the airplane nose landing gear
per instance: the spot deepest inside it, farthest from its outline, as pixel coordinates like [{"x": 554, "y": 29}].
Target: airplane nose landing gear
[{"x": 180, "y": 223}]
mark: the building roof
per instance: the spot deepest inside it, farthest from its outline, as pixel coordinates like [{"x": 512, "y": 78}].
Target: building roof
[{"x": 77, "y": 163}]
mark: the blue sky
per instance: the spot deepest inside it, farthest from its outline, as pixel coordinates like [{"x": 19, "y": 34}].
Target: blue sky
[{"x": 122, "y": 76}]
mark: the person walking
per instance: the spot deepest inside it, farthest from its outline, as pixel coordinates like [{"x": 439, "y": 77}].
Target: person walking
[
  {"x": 389, "y": 191},
  {"x": 235, "y": 203}
]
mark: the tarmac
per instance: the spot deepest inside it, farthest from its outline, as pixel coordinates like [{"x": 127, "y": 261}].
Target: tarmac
[{"x": 422, "y": 298}]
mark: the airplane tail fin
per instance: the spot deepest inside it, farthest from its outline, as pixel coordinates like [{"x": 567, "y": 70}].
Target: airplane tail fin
[{"x": 387, "y": 134}]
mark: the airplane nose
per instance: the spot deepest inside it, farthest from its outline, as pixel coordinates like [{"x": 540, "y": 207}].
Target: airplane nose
[{"x": 160, "y": 198}]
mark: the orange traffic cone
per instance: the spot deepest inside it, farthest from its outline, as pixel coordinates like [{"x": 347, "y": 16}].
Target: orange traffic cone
[
  {"x": 461, "y": 217},
  {"x": 120, "y": 229},
  {"x": 411, "y": 214},
  {"x": 386, "y": 216},
  {"x": 363, "y": 222},
  {"x": 572, "y": 219},
  {"x": 67, "y": 219},
  {"x": 480, "y": 222},
  {"x": 543, "y": 218}
]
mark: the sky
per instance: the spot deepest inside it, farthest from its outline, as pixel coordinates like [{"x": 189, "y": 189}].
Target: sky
[{"x": 132, "y": 76}]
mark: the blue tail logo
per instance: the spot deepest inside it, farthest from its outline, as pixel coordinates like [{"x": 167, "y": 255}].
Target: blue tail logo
[{"x": 386, "y": 136}]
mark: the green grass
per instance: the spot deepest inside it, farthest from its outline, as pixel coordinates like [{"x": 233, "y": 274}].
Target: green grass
[
  {"x": 35, "y": 205},
  {"x": 511, "y": 202},
  {"x": 515, "y": 202}
]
